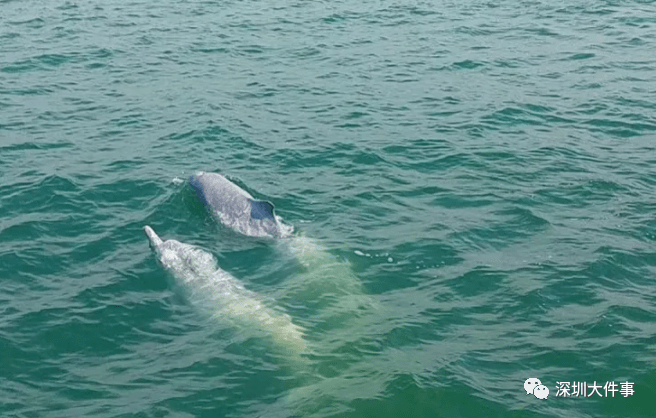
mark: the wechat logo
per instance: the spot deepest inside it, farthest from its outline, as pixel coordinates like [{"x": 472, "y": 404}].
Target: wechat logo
[{"x": 534, "y": 387}]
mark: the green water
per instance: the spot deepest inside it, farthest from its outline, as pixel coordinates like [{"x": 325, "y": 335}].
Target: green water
[{"x": 486, "y": 170}]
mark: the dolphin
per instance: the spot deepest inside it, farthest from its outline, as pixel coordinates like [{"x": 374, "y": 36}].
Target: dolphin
[
  {"x": 197, "y": 272},
  {"x": 235, "y": 208},
  {"x": 325, "y": 278}
]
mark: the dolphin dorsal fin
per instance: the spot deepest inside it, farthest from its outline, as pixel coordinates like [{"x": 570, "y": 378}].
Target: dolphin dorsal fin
[{"x": 261, "y": 209}]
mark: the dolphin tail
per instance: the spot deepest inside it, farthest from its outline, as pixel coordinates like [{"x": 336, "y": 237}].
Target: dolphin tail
[{"x": 155, "y": 241}]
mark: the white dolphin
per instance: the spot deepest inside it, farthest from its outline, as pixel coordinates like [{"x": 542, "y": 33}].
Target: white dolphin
[{"x": 197, "y": 272}]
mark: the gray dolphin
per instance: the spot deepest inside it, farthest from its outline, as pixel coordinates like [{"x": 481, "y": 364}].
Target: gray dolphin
[
  {"x": 236, "y": 208},
  {"x": 206, "y": 284}
]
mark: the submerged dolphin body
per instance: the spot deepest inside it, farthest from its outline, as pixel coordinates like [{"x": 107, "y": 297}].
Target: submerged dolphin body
[
  {"x": 236, "y": 208},
  {"x": 196, "y": 271}
]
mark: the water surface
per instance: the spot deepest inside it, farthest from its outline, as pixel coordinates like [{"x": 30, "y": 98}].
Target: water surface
[{"x": 485, "y": 169}]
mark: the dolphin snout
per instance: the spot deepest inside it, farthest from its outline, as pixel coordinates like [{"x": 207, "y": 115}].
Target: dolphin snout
[{"x": 155, "y": 240}]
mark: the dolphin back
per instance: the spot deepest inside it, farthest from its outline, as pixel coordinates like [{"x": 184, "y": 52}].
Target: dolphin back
[
  {"x": 220, "y": 194},
  {"x": 236, "y": 208}
]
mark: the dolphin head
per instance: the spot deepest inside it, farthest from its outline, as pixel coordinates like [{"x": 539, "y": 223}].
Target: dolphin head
[
  {"x": 155, "y": 241},
  {"x": 236, "y": 208},
  {"x": 180, "y": 258}
]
